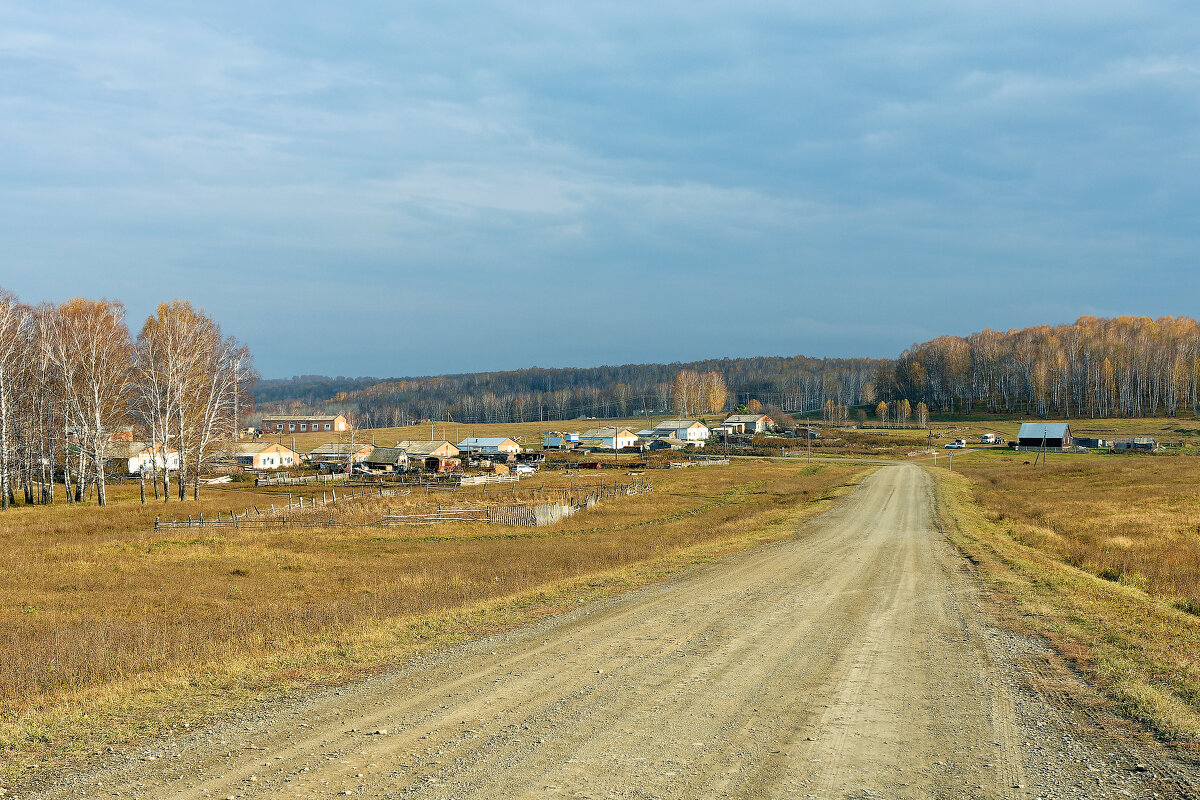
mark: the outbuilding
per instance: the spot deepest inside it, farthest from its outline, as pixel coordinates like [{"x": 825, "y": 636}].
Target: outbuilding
[
  {"x": 484, "y": 445},
  {"x": 437, "y": 448},
  {"x": 1048, "y": 435},
  {"x": 341, "y": 453},
  {"x": 389, "y": 459}
]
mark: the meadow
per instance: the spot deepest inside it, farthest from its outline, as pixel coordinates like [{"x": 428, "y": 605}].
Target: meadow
[
  {"x": 110, "y": 631},
  {"x": 1100, "y": 553}
]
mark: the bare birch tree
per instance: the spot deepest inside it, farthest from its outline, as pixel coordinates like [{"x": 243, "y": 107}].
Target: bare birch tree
[{"x": 90, "y": 349}]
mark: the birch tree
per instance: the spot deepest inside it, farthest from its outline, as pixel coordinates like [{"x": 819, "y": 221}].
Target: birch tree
[
  {"x": 89, "y": 346},
  {"x": 14, "y": 330}
]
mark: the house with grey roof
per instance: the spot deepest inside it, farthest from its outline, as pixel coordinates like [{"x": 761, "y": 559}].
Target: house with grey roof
[{"x": 1048, "y": 435}]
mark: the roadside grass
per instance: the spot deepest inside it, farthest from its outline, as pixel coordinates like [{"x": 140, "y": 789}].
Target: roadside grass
[
  {"x": 1130, "y": 519},
  {"x": 109, "y": 636},
  {"x": 1135, "y": 645}
]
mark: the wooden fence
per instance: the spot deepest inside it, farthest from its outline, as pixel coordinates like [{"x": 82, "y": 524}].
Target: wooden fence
[
  {"x": 274, "y": 516},
  {"x": 530, "y": 514},
  {"x": 485, "y": 480},
  {"x": 700, "y": 462},
  {"x": 301, "y": 480}
]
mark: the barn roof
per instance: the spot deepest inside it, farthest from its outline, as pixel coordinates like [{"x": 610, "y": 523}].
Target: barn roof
[
  {"x": 387, "y": 455},
  {"x": 485, "y": 441},
  {"x": 677, "y": 424},
  {"x": 1044, "y": 430},
  {"x": 298, "y": 417},
  {"x": 423, "y": 448},
  {"x": 336, "y": 449},
  {"x": 745, "y": 417}
]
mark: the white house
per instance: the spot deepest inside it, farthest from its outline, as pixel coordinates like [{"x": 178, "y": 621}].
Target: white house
[
  {"x": 489, "y": 444},
  {"x": 610, "y": 438},
  {"x": 748, "y": 423},
  {"x": 265, "y": 455},
  {"x": 142, "y": 456},
  {"x": 688, "y": 431}
]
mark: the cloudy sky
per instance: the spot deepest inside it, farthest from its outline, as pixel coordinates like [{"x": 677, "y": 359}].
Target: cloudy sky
[{"x": 417, "y": 188}]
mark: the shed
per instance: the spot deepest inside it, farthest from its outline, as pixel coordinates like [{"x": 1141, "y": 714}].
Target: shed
[
  {"x": 437, "y": 448},
  {"x": 1051, "y": 435},
  {"x": 391, "y": 459},
  {"x": 489, "y": 444},
  {"x": 340, "y": 453}
]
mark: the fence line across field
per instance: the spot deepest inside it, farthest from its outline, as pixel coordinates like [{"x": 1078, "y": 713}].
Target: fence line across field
[{"x": 531, "y": 514}]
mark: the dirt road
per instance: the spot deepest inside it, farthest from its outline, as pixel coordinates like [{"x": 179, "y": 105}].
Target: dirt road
[{"x": 850, "y": 662}]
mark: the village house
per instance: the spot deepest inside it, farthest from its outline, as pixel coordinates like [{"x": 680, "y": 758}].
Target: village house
[
  {"x": 748, "y": 423},
  {"x": 265, "y": 455},
  {"x": 140, "y": 456},
  {"x": 434, "y": 456},
  {"x": 305, "y": 423},
  {"x": 489, "y": 445},
  {"x": 556, "y": 440},
  {"x": 609, "y": 438},
  {"x": 1048, "y": 435},
  {"x": 689, "y": 431},
  {"x": 336, "y": 453}
]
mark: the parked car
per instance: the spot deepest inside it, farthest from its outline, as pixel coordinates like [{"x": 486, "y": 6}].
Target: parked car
[
  {"x": 959, "y": 445},
  {"x": 524, "y": 469}
]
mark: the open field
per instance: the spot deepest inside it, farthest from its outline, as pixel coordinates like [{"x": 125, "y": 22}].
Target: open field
[
  {"x": 109, "y": 631},
  {"x": 848, "y": 660},
  {"x": 1100, "y": 553}
]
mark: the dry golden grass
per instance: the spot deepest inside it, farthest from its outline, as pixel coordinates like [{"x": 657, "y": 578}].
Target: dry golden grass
[
  {"x": 1133, "y": 519},
  {"x": 109, "y": 631},
  {"x": 1138, "y": 648}
]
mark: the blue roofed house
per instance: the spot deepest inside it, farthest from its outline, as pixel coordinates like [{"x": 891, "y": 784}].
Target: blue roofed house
[{"x": 489, "y": 445}]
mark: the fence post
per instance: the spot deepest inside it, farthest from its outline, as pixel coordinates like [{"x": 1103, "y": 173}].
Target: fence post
[{"x": 156, "y": 523}]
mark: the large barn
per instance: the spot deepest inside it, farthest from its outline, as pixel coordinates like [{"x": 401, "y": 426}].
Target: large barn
[{"x": 1051, "y": 435}]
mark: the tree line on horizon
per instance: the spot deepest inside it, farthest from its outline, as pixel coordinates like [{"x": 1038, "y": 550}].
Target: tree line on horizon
[
  {"x": 785, "y": 383},
  {"x": 73, "y": 377},
  {"x": 1095, "y": 367}
]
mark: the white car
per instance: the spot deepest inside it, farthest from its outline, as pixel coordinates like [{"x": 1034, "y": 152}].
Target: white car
[
  {"x": 955, "y": 446},
  {"x": 524, "y": 469}
]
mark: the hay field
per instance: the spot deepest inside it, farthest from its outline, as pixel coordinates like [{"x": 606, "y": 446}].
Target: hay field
[
  {"x": 1100, "y": 554},
  {"x": 109, "y": 631}
]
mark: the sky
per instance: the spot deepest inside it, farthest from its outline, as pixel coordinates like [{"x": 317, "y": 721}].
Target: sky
[{"x": 418, "y": 188}]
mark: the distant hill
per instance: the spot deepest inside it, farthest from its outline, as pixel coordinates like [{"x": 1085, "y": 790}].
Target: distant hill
[{"x": 790, "y": 383}]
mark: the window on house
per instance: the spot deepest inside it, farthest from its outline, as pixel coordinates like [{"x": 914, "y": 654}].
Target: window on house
[
  {"x": 327, "y": 426},
  {"x": 278, "y": 426},
  {"x": 291, "y": 426},
  {"x": 303, "y": 427}
]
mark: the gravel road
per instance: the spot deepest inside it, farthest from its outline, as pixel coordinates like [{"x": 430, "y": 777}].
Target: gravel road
[{"x": 850, "y": 662}]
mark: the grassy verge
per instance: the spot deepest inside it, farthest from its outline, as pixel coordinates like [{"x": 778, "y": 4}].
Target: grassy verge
[
  {"x": 1140, "y": 650},
  {"x": 111, "y": 638}
]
